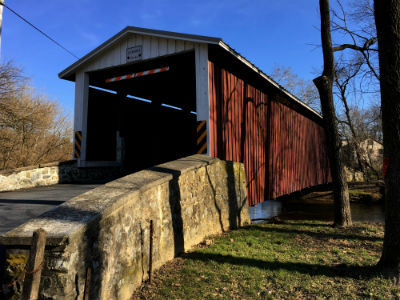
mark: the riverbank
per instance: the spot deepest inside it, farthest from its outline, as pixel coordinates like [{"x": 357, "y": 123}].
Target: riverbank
[
  {"x": 359, "y": 192},
  {"x": 285, "y": 260}
]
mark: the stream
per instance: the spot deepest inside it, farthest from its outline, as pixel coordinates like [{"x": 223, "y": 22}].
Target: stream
[{"x": 314, "y": 210}]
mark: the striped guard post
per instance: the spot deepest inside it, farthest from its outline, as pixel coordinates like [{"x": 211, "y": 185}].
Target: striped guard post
[
  {"x": 201, "y": 145},
  {"x": 139, "y": 74},
  {"x": 78, "y": 143}
]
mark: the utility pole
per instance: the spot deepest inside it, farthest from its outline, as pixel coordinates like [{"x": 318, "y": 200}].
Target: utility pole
[{"x": 1, "y": 19}]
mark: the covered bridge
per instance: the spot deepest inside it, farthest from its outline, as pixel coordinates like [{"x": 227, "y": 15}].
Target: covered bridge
[{"x": 141, "y": 97}]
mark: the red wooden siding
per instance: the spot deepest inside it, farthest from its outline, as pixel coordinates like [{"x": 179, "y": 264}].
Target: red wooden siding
[{"x": 282, "y": 150}]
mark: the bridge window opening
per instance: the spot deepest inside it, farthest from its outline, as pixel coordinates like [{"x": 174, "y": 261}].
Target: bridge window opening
[
  {"x": 101, "y": 89},
  {"x": 143, "y": 121},
  {"x": 138, "y": 98},
  {"x": 171, "y": 106}
]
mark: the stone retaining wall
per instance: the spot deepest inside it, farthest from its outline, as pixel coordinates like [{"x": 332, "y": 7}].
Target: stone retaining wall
[
  {"x": 53, "y": 173},
  {"x": 107, "y": 228}
]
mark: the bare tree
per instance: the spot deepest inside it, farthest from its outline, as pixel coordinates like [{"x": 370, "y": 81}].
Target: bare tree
[
  {"x": 344, "y": 76},
  {"x": 361, "y": 150},
  {"x": 324, "y": 84},
  {"x": 32, "y": 128},
  {"x": 387, "y": 19},
  {"x": 10, "y": 79},
  {"x": 303, "y": 89},
  {"x": 357, "y": 69},
  {"x": 373, "y": 119},
  {"x": 357, "y": 26}
]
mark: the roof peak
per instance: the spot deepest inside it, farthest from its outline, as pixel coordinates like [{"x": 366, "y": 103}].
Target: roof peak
[
  {"x": 137, "y": 30},
  {"x": 185, "y": 36}
]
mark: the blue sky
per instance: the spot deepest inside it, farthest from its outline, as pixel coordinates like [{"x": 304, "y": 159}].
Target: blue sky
[{"x": 267, "y": 32}]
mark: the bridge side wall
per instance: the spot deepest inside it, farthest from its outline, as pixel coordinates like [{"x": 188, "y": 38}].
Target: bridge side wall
[
  {"x": 107, "y": 229},
  {"x": 282, "y": 148}
]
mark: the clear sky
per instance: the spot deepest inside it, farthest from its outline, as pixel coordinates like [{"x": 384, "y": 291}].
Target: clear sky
[{"x": 267, "y": 32}]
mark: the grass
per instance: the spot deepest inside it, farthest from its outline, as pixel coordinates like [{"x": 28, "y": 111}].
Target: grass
[{"x": 286, "y": 260}]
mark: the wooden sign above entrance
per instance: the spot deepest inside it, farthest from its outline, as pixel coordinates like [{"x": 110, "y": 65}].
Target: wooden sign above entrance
[{"x": 134, "y": 53}]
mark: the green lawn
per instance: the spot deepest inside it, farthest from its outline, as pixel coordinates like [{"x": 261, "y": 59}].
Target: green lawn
[{"x": 288, "y": 260}]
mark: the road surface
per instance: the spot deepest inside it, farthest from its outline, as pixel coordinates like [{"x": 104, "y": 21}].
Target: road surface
[{"x": 17, "y": 207}]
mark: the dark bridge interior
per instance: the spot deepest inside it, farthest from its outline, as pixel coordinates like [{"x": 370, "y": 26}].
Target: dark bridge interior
[{"x": 154, "y": 114}]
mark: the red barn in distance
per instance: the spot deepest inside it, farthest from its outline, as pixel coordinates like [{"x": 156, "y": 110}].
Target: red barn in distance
[{"x": 139, "y": 98}]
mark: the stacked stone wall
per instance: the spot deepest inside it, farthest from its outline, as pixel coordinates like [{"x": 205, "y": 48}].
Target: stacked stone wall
[{"x": 53, "y": 173}]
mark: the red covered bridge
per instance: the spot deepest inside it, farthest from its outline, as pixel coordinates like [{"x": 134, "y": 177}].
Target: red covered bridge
[{"x": 140, "y": 95}]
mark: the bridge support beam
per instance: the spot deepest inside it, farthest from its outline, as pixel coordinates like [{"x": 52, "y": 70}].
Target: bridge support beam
[{"x": 81, "y": 112}]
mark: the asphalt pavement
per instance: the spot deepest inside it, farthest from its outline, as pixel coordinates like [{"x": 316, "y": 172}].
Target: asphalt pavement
[{"x": 17, "y": 207}]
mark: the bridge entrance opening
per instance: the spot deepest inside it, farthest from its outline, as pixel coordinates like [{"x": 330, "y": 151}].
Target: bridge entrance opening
[{"x": 147, "y": 119}]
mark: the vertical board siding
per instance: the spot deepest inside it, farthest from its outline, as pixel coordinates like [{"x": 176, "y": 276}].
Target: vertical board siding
[
  {"x": 282, "y": 150},
  {"x": 152, "y": 47},
  {"x": 171, "y": 46},
  {"x": 163, "y": 47},
  {"x": 122, "y": 51}
]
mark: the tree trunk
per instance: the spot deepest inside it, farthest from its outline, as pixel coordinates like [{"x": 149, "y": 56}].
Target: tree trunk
[
  {"x": 324, "y": 85},
  {"x": 387, "y": 19}
]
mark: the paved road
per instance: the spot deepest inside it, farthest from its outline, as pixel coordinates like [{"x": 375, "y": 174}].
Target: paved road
[{"x": 17, "y": 207}]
